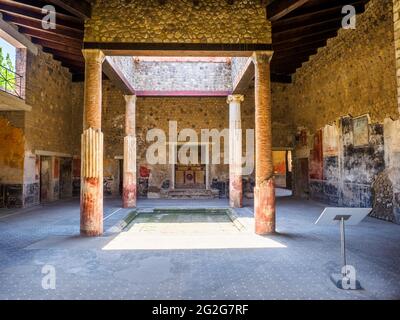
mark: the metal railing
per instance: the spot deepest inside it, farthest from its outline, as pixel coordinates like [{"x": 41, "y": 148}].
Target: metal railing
[{"x": 10, "y": 82}]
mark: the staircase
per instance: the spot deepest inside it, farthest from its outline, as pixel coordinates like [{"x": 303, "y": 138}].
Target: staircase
[{"x": 194, "y": 194}]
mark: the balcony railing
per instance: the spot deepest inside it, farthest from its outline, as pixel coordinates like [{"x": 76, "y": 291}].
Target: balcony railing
[{"x": 10, "y": 82}]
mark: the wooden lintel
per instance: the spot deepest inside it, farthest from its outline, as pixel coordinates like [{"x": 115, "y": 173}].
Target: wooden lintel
[
  {"x": 278, "y": 9},
  {"x": 177, "y": 49}
]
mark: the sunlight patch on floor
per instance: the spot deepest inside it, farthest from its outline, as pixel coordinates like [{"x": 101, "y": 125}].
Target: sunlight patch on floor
[{"x": 186, "y": 231}]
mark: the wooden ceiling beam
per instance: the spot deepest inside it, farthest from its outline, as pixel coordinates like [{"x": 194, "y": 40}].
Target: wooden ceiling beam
[
  {"x": 70, "y": 63},
  {"x": 81, "y": 8},
  {"x": 312, "y": 17},
  {"x": 39, "y": 4},
  {"x": 40, "y": 34},
  {"x": 320, "y": 7},
  {"x": 320, "y": 35},
  {"x": 292, "y": 59},
  {"x": 57, "y": 46},
  {"x": 309, "y": 22},
  {"x": 300, "y": 46},
  {"x": 37, "y": 19},
  {"x": 34, "y": 24},
  {"x": 287, "y": 68},
  {"x": 298, "y": 52},
  {"x": 24, "y": 10},
  {"x": 280, "y": 8},
  {"x": 281, "y": 78},
  {"x": 62, "y": 55},
  {"x": 301, "y": 41},
  {"x": 306, "y": 30},
  {"x": 15, "y": 37}
]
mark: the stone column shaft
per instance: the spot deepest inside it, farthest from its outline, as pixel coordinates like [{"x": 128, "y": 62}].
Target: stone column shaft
[
  {"x": 264, "y": 192},
  {"x": 235, "y": 152},
  {"x": 129, "y": 183},
  {"x": 92, "y": 147}
]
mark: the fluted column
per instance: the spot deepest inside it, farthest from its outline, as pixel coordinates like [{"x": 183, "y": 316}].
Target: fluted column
[
  {"x": 264, "y": 192},
  {"x": 92, "y": 147},
  {"x": 235, "y": 151},
  {"x": 129, "y": 185}
]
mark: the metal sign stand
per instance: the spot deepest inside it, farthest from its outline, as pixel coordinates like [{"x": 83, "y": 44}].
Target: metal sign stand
[{"x": 346, "y": 279}]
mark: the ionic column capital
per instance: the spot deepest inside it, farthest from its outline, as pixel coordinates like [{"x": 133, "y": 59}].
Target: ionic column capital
[
  {"x": 93, "y": 55},
  {"x": 130, "y": 99},
  {"x": 238, "y": 98},
  {"x": 259, "y": 57}
]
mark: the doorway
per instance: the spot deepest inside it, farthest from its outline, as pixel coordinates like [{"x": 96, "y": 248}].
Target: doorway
[
  {"x": 282, "y": 163},
  {"x": 45, "y": 179},
  {"x": 302, "y": 176},
  {"x": 65, "y": 178},
  {"x": 191, "y": 175}
]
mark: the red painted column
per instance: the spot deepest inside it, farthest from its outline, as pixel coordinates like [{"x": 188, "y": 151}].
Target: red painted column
[
  {"x": 92, "y": 147},
  {"x": 264, "y": 192},
  {"x": 235, "y": 151},
  {"x": 129, "y": 183}
]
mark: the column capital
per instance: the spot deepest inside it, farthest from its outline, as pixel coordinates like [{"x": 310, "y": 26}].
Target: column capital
[
  {"x": 262, "y": 56},
  {"x": 95, "y": 55},
  {"x": 130, "y": 98},
  {"x": 235, "y": 98}
]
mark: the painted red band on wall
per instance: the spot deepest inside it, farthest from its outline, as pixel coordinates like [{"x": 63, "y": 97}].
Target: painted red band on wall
[{"x": 183, "y": 93}]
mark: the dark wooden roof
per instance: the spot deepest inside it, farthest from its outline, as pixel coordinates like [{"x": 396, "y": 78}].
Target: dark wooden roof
[
  {"x": 299, "y": 28},
  {"x": 65, "y": 42}
]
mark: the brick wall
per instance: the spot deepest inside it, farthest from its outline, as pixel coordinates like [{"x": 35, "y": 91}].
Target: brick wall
[{"x": 212, "y": 21}]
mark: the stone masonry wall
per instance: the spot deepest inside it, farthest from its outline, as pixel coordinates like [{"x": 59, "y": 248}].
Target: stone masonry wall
[
  {"x": 212, "y": 21},
  {"x": 190, "y": 112},
  {"x": 48, "y": 127},
  {"x": 396, "y": 27},
  {"x": 341, "y": 102},
  {"x": 182, "y": 76},
  {"x": 156, "y": 112},
  {"x": 354, "y": 74},
  {"x": 50, "y": 92}
]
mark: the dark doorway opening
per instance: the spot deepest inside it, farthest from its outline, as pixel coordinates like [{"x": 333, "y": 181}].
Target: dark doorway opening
[
  {"x": 302, "y": 178},
  {"x": 65, "y": 178},
  {"x": 282, "y": 162},
  {"x": 45, "y": 179}
]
